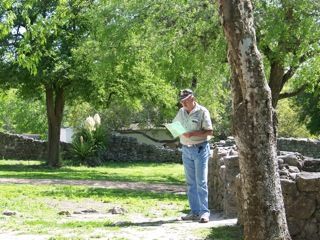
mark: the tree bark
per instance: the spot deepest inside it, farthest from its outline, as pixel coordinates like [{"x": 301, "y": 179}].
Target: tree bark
[
  {"x": 275, "y": 81},
  {"x": 263, "y": 208},
  {"x": 55, "y": 105}
]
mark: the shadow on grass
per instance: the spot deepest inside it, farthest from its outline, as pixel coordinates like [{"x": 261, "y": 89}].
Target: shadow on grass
[
  {"x": 72, "y": 192},
  {"x": 225, "y": 233},
  {"x": 42, "y": 171},
  {"x": 140, "y": 224}
]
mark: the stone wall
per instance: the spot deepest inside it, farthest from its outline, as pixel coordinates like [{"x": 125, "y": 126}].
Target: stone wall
[
  {"x": 128, "y": 149},
  {"x": 306, "y": 147},
  {"x": 13, "y": 146},
  {"x": 300, "y": 183}
]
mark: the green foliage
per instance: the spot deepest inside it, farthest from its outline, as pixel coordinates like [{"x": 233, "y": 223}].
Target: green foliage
[
  {"x": 288, "y": 120},
  {"x": 89, "y": 142},
  {"x": 288, "y": 34},
  {"x": 309, "y": 103},
  {"x": 151, "y": 49},
  {"x": 22, "y": 116}
]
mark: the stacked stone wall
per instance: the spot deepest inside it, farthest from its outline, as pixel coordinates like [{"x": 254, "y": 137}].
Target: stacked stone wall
[
  {"x": 306, "y": 147},
  {"x": 14, "y": 146},
  {"x": 126, "y": 149},
  {"x": 300, "y": 182}
]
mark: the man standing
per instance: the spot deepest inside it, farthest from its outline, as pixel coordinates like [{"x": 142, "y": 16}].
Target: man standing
[{"x": 195, "y": 154}]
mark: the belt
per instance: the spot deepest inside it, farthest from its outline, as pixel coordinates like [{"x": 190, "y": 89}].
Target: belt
[{"x": 194, "y": 145}]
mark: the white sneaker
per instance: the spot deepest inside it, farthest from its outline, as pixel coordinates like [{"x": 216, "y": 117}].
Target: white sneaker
[{"x": 204, "y": 218}]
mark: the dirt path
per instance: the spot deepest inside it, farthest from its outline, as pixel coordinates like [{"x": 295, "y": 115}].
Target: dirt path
[{"x": 155, "y": 187}]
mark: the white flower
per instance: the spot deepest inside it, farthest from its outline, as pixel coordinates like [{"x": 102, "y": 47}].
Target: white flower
[
  {"x": 97, "y": 119},
  {"x": 81, "y": 140},
  {"x": 89, "y": 124}
]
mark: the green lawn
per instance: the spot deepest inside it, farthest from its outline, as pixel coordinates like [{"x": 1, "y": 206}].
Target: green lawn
[
  {"x": 58, "y": 212},
  {"x": 37, "y": 209},
  {"x": 132, "y": 172}
]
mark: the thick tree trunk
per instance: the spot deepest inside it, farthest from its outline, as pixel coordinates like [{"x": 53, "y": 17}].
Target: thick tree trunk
[
  {"x": 55, "y": 104},
  {"x": 264, "y": 213}
]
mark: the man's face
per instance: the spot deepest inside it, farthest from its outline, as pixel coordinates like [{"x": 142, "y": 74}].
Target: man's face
[{"x": 187, "y": 103}]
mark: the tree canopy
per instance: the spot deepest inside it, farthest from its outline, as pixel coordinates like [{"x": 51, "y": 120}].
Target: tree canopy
[{"x": 128, "y": 59}]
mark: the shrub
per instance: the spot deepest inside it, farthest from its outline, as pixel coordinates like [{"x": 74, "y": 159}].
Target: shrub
[{"x": 89, "y": 142}]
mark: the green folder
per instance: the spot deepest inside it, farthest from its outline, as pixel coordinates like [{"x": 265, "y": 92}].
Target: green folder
[{"x": 176, "y": 128}]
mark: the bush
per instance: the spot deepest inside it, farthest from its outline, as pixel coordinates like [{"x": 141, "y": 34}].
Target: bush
[{"x": 89, "y": 142}]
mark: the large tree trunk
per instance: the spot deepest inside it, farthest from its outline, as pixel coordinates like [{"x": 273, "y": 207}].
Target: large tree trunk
[
  {"x": 264, "y": 213},
  {"x": 55, "y": 104}
]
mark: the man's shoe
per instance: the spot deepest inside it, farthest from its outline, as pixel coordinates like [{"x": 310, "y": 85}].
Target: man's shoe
[
  {"x": 190, "y": 216},
  {"x": 204, "y": 218}
]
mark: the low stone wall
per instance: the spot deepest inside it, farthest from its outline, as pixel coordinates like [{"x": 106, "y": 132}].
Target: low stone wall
[
  {"x": 13, "y": 146},
  {"x": 300, "y": 187},
  {"x": 306, "y": 147},
  {"x": 128, "y": 149}
]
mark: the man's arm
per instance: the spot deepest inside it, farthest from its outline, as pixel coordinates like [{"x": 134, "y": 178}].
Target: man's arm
[{"x": 198, "y": 133}]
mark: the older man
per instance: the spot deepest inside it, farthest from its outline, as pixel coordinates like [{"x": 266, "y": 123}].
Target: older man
[{"x": 195, "y": 154}]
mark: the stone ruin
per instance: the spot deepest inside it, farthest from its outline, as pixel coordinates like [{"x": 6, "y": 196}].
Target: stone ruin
[{"x": 300, "y": 182}]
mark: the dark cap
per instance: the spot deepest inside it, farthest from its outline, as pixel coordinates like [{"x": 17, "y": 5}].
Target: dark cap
[{"x": 185, "y": 93}]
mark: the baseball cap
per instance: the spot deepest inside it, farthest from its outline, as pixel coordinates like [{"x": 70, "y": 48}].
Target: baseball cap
[{"x": 185, "y": 93}]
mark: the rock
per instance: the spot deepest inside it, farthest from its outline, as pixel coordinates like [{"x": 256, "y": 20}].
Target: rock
[
  {"x": 90, "y": 210},
  {"x": 295, "y": 226},
  {"x": 293, "y": 169},
  {"x": 233, "y": 152},
  {"x": 231, "y": 162},
  {"x": 293, "y": 159},
  {"x": 280, "y": 161},
  {"x": 311, "y": 165},
  {"x": 293, "y": 176},
  {"x": 65, "y": 213},
  {"x": 308, "y": 181},
  {"x": 9, "y": 213},
  {"x": 301, "y": 208},
  {"x": 289, "y": 187},
  {"x": 117, "y": 210}
]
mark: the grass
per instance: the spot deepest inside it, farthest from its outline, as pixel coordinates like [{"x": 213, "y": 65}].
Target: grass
[
  {"x": 223, "y": 233},
  {"x": 41, "y": 209},
  {"x": 38, "y": 208},
  {"x": 130, "y": 172}
]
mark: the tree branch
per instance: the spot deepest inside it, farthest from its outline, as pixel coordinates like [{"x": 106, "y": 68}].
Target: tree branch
[{"x": 294, "y": 93}]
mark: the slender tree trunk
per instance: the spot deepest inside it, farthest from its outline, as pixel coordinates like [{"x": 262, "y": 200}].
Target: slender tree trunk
[
  {"x": 55, "y": 105},
  {"x": 275, "y": 82},
  {"x": 264, "y": 213}
]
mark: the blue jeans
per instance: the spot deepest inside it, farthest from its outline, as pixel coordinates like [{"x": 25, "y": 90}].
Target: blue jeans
[{"x": 195, "y": 162}]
